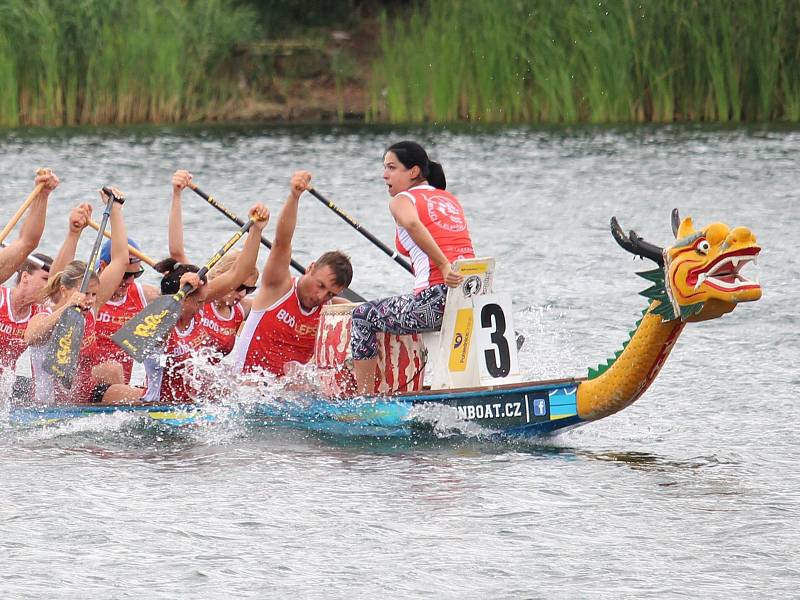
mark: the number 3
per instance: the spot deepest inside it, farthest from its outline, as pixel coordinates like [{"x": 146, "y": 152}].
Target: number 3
[{"x": 489, "y": 313}]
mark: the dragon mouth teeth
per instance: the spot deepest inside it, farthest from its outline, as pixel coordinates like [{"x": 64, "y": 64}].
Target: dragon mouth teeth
[
  {"x": 725, "y": 275},
  {"x": 700, "y": 280}
]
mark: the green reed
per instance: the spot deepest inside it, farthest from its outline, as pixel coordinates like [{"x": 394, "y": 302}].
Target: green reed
[
  {"x": 117, "y": 61},
  {"x": 590, "y": 60}
]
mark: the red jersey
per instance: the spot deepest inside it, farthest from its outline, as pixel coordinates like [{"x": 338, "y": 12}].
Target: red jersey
[
  {"x": 274, "y": 336},
  {"x": 220, "y": 331},
  {"x": 12, "y": 330},
  {"x": 441, "y": 214},
  {"x": 47, "y": 389},
  {"x": 168, "y": 377},
  {"x": 111, "y": 316}
]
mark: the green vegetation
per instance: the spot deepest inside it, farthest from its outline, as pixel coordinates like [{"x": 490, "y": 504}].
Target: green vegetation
[
  {"x": 65, "y": 62},
  {"x": 590, "y": 60},
  {"x": 73, "y": 62}
]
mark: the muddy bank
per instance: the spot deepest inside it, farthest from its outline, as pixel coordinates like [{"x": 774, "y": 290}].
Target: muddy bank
[{"x": 321, "y": 78}]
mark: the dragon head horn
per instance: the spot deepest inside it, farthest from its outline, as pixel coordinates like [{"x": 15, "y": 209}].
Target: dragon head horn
[
  {"x": 685, "y": 229},
  {"x": 636, "y": 245},
  {"x": 676, "y": 222}
]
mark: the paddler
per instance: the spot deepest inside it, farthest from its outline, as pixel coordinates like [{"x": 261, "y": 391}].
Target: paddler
[
  {"x": 20, "y": 303},
  {"x": 283, "y": 320},
  {"x": 129, "y": 298},
  {"x": 167, "y": 376},
  {"x": 222, "y": 317},
  {"x": 94, "y": 381}
]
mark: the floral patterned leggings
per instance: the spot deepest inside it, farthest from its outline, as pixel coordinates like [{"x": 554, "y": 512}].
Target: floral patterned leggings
[{"x": 410, "y": 313}]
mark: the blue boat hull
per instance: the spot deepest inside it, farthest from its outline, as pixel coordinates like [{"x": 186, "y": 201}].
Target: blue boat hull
[{"x": 521, "y": 410}]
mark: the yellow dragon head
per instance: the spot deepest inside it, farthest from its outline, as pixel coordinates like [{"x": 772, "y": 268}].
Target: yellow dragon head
[
  {"x": 704, "y": 269},
  {"x": 700, "y": 274}
]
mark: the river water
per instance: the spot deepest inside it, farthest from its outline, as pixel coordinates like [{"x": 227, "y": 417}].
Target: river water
[{"x": 691, "y": 492}]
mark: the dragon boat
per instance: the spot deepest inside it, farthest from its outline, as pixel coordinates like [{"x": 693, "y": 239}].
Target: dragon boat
[{"x": 697, "y": 278}]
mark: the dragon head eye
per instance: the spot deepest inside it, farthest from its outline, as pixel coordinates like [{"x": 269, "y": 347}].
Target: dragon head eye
[{"x": 702, "y": 246}]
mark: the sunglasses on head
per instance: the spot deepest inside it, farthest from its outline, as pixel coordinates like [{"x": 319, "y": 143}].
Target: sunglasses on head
[
  {"x": 247, "y": 289},
  {"x": 134, "y": 274}
]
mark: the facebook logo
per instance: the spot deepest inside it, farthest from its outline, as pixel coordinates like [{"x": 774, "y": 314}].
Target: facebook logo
[{"x": 539, "y": 407}]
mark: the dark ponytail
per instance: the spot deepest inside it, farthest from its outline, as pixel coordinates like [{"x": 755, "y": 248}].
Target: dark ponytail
[
  {"x": 411, "y": 154},
  {"x": 173, "y": 271},
  {"x": 436, "y": 176}
]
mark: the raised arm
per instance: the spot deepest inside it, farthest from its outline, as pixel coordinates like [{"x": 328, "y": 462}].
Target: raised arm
[
  {"x": 246, "y": 263},
  {"x": 276, "y": 270},
  {"x": 112, "y": 275},
  {"x": 13, "y": 255},
  {"x": 180, "y": 180},
  {"x": 78, "y": 220}
]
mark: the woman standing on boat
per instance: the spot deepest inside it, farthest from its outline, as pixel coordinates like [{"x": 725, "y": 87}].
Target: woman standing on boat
[
  {"x": 95, "y": 381},
  {"x": 167, "y": 377},
  {"x": 431, "y": 230}
]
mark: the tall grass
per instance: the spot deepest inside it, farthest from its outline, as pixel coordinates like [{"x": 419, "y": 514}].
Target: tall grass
[
  {"x": 65, "y": 62},
  {"x": 590, "y": 60}
]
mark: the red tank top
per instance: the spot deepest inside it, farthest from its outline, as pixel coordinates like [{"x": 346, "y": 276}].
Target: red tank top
[
  {"x": 111, "y": 316},
  {"x": 168, "y": 380},
  {"x": 87, "y": 359},
  {"x": 12, "y": 330},
  {"x": 274, "y": 336},
  {"x": 220, "y": 331},
  {"x": 443, "y": 217}
]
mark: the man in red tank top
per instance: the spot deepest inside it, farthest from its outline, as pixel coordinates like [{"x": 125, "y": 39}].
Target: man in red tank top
[{"x": 283, "y": 320}]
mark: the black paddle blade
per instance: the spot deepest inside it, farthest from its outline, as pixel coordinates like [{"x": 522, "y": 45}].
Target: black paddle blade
[
  {"x": 351, "y": 295},
  {"x": 145, "y": 333},
  {"x": 61, "y": 357}
]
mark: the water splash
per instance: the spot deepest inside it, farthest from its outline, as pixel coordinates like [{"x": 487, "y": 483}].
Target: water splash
[{"x": 550, "y": 350}]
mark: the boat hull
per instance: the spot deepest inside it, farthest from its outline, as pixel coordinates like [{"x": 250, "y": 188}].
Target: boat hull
[{"x": 521, "y": 410}]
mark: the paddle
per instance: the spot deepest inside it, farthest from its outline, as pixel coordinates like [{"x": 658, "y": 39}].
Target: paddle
[
  {"x": 61, "y": 355},
  {"x": 21, "y": 211},
  {"x": 346, "y": 293},
  {"x": 137, "y": 253},
  {"x": 146, "y": 332},
  {"x": 357, "y": 226}
]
